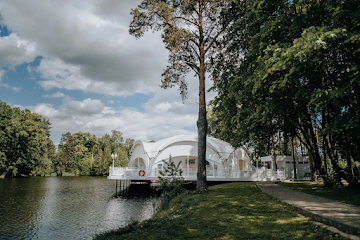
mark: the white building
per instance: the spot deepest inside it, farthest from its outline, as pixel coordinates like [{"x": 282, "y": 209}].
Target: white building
[
  {"x": 224, "y": 163},
  {"x": 286, "y": 164}
]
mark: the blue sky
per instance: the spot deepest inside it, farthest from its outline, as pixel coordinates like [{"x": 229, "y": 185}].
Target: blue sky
[{"x": 74, "y": 63}]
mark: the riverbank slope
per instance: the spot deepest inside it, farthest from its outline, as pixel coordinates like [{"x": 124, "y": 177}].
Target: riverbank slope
[{"x": 225, "y": 211}]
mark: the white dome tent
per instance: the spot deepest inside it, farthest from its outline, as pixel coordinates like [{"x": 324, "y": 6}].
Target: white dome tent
[{"x": 224, "y": 163}]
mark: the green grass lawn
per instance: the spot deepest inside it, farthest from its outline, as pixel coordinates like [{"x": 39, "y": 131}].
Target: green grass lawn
[
  {"x": 226, "y": 211},
  {"x": 345, "y": 195}
]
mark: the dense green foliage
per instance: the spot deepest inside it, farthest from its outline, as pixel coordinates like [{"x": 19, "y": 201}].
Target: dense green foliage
[
  {"x": 225, "y": 211},
  {"x": 25, "y": 146},
  {"x": 291, "y": 70},
  {"x": 85, "y": 154},
  {"x": 27, "y": 150}
]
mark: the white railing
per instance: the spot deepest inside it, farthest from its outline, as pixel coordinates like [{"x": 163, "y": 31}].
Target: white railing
[{"x": 191, "y": 174}]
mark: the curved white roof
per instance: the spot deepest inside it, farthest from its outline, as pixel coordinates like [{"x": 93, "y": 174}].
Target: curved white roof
[{"x": 180, "y": 145}]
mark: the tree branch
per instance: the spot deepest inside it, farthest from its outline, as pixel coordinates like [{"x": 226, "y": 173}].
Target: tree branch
[
  {"x": 194, "y": 18},
  {"x": 190, "y": 64},
  {"x": 210, "y": 29},
  {"x": 192, "y": 40},
  {"x": 187, "y": 20},
  {"x": 214, "y": 39},
  {"x": 195, "y": 52},
  {"x": 217, "y": 35},
  {"x": 162, "y": 16},
  {"x": 195, "y": 10}
]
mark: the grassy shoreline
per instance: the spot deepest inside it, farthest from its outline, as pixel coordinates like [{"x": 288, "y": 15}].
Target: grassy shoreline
[{"x": 225, "y": 211}]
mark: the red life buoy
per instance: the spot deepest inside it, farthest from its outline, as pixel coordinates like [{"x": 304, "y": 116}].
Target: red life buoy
[{"x": 141, "y": 173}]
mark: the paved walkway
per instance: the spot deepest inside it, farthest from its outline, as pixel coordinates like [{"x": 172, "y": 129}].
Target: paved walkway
[{"x": 341, "y": 215}]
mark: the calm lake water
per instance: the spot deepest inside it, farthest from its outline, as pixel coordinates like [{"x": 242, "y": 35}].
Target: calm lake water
[{"x": 65, "y": 208}]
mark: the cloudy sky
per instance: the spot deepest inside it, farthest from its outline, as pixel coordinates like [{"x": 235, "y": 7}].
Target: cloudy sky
[{"x": 75, "y": 63}]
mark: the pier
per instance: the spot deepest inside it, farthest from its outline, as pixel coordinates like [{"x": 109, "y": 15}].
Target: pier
[{"x": 144, "y": 175}]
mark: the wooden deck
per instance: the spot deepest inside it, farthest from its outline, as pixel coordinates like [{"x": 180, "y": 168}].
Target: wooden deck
[{"x": 135, "y": 174}]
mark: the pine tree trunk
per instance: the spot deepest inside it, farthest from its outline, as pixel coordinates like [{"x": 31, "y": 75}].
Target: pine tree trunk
[
  {"x": 201, "y": 174},
  {"x": 202, "y": 122}
]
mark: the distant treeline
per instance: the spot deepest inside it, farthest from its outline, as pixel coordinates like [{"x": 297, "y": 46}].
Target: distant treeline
[
  {"x": 27, "y": 150},
  {"x": 86, "y": 154}
]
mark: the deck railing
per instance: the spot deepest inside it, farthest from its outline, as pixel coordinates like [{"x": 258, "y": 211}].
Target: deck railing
[{"x": 214, "y": 175}]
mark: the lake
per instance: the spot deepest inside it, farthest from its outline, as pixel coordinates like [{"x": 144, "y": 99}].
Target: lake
[{"x": 65, "y": 208}]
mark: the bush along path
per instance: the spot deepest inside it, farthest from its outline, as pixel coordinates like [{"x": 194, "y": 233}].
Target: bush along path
[{"x": 225, "y": 211}]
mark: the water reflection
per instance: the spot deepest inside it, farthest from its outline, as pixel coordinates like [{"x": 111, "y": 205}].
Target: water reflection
[{"x": 64, "y": 208}]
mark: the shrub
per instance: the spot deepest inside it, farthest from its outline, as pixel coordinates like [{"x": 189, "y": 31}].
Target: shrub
[{"x": 171, "y": 182}]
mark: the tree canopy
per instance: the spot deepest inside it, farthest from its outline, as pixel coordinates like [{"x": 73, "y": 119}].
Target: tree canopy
[
  {"x": 292, "y": 67},
  {"x": 25, "y": 147}
]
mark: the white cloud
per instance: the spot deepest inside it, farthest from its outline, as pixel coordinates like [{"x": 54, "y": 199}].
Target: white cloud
[
  {"x": 16, "y": 89},
  {"x": 46, "y": 110},
  {"x": 91, "y": 115},
  {"x": 54, "y": 95},
  {"x": 65, "y": 76},
  {"x": 4, "y": 85},
  {"x": 161, "y": 100},
  {"x": 85, "y": 108},
  {"x": 86, "y": 45},
  {"x": 2, "y": 73},
  {"x": 15, "y": 50}
]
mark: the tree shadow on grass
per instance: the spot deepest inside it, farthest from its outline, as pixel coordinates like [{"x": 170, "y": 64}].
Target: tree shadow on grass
[
  {"x": 228, "y": 211},
  {"x": 344, "y": 195}
]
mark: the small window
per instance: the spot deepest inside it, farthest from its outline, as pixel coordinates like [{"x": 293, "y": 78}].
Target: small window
[
  {"x": 191, "y": 161},
  {"x": 160, "y": 167},
  {"x": 287, "y": 162}
]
